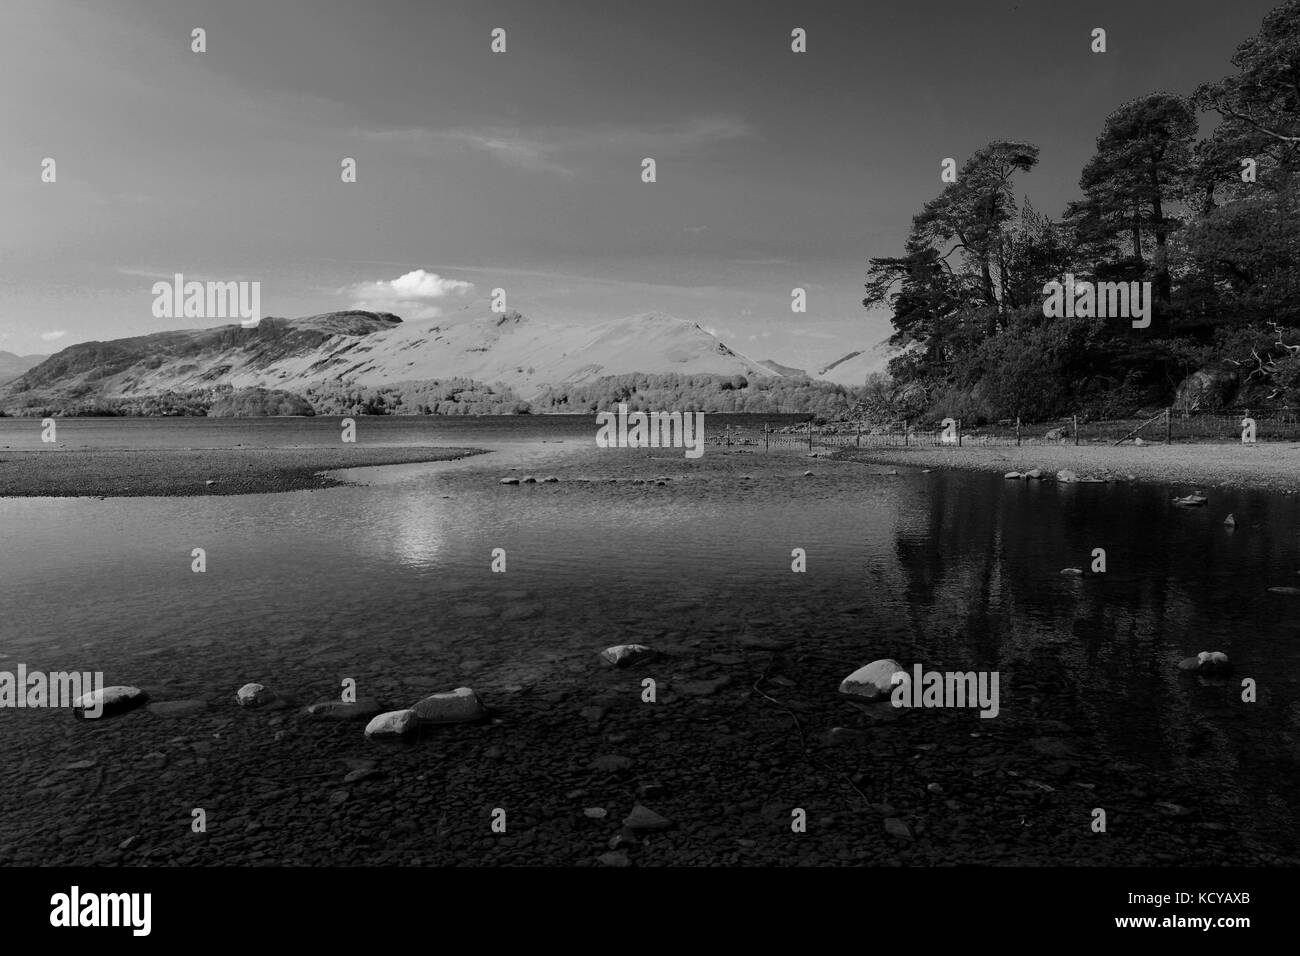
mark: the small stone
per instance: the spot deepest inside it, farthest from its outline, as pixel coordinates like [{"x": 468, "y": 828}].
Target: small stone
[
  {"x": 362, "y": 709},
  {"x": 337, "y": 797},
  {"x": 452, "y": 707},
  {"x": 550, "y": 479},
  {"x": 356, "y": 776},
  {"x": 80, "y": 765},
  {"x": 252, "y": 695},
  {"x": 625, "y": 655},
  {"x": 896, "y": 827},
  {"x": 643, "y": 818},
  {"x": 528, "y": 480},
  {"x": 1013, "y": 474},
  {"x": 873, "y": 681},
  {"x": 508, "y": 481},
  {"x": 395, "y": 723},
  {"x": 934, "y": 788},
  {"x": 1065, "y": 476},
  {"x": 1071, "y": 571},
  {"x": 108, "y": 701},
  {"x": 595, "y": 813},
  {"x": 1230, "y": 522},
  {"x": 614, "y": 858}
]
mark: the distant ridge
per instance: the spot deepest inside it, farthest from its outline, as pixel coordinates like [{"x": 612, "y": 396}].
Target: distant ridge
[{"x": 371, "y": 350}]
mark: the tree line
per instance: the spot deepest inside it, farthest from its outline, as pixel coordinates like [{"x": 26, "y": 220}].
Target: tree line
[{"x": 1211, "y": 223}]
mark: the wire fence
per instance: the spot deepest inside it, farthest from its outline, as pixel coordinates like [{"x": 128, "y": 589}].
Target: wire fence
[{"x": 1167, "y": 427}]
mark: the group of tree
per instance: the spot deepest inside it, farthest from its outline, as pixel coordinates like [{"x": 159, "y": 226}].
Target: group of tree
[
  {"x": 719, "y": 394},
  {"x": 1211, "y": 223}
]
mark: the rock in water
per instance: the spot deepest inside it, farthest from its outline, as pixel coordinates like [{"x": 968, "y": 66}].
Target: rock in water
[
  {"x": 1191, "y": 501},
  {"x": 1033, "y": 473},
  {"x": 1230, "y": 522},
  {"x": 508, "y": 481},
  {"x": 643, "y": 818},
  {"x": 1284, "y": 590},
  {"x": 1207, "y": 662},
  {"x": 614, "y": 858},
  {"x": 395, "y": 723},
  {"x": 1071, "y": 571},
  {"x": 872, "y": 682},
  {"x": 1066, "y": 476},
  {"x": 625, "y": 655},
  {"x": 108, "y": 701},
  {"x": 1013, "y": 474},
  {"x": 340, "y": 710},
  {"x": 453, "y": 707},
  {"x": 252, "y": 695},
  {"x": 896, "y": 827}
]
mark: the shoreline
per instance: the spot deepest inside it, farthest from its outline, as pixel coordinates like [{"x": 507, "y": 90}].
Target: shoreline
[
  {"x": 1273, "y": 467},
  {"x": 154, "y": 472}
]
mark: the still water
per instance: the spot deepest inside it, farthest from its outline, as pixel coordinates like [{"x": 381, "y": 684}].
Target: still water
[{"x": 389, "y": 582}]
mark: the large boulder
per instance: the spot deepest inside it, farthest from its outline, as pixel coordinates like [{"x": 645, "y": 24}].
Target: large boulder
[
  {"x": 1207, "y": 662},
  {"x": 872, "y": 682},
  {"x": 253, "y": 695}
]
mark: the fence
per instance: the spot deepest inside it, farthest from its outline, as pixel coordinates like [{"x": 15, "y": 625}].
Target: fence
[{"x": 1169, "y": 426}]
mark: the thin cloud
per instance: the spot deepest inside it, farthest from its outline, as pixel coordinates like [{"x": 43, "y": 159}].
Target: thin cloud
[
  {"x": 414, "y": 295},
  {"x": 53, "y": 335},
  {"x": 562, "y": 150}
]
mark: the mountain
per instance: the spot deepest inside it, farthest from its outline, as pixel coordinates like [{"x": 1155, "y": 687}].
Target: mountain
[
  {"x": 11, "y": 365},
  {"x": 368, "y": 350},
  {"x": 853, "y": 368}
]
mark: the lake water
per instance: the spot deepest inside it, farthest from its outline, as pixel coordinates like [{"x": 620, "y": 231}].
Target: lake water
[{"x": 390, "y": 583}]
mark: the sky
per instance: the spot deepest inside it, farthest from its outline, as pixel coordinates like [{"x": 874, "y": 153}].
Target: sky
[{"x": 522, "y": 170}]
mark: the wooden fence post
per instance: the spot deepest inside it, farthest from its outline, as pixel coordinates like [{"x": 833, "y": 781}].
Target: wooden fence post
[
  {"x": 810, "y": 436},
  {"x": 764, "y": 436},
  {"x": 906, "y": 433},
  {"x": 1076, "y": 429},
  {"x": 1169, "y": 425},
  {"x": 1017, "y": 431},
  {"x": 859, "y": 434},
  {"x": 959, "y": 433}
]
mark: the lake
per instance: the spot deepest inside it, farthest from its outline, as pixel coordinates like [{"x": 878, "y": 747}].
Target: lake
[{"x": 389, "y": 583}]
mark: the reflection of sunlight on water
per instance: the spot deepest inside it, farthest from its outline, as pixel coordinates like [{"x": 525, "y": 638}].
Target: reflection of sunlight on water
[{"x": 414, "y": 529}]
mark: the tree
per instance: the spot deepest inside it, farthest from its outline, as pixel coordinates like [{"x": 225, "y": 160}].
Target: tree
[{"x": 1142, "y": 169}]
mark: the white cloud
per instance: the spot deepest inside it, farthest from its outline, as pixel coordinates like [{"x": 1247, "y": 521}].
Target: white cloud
[
  {"x": 53, "y": 335},
  {"x": 413, "y": 296}
]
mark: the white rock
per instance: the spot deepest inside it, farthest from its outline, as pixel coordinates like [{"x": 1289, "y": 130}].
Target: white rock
[
  {"x": 1071, "y": 571},
  {"x": 395, "y": 723},
  {"x": 873, "y": 681},
  {"x": 452, "y": 707},
  {"x": 1066, "y": 476},
  {"x": 624, "y": 655},
  {"x": 1033, "y": 473},
  {"x": 108, "y": 700},
  {"x": 1013, "y": 474},
  {"x": 252, "y": 695}
]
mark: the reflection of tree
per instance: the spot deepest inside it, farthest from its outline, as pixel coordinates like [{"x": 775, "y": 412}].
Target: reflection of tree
[{"x": 983, "y": 590}]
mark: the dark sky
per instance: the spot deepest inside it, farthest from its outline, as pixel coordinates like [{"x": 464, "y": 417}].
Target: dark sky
[{"x": 522, "y": 170}]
